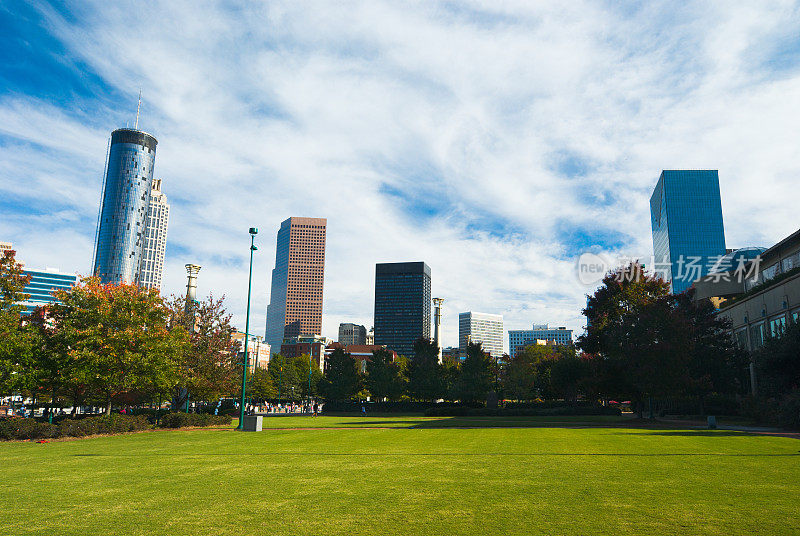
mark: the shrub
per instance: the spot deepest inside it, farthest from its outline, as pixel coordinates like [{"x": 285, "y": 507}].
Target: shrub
[
  {"x": 182, "y": 420},
  {"x": 103, "y": 424},
  {"x": 761, "y": 410},
  {"x": 789, "y": 410},
  {"x": 23, "y": 428}
]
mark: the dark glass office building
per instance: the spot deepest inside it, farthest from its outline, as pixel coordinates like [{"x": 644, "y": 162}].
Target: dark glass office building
[
  {"x": 686, "y": 217},
  {"x": 124, "y": 211},
  {"x": 402, "y": 305}
]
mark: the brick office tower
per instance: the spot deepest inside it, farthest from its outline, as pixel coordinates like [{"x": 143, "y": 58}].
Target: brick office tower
[{"x": 295, "y": 306}]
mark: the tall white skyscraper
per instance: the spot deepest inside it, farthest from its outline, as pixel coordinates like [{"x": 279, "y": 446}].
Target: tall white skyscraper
[
  {"x": 481, "y": 327},
  {"x": 151, "y": 266}
]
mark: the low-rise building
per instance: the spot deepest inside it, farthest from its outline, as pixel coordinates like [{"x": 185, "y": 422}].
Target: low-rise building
[
  {"x": 43, "y": 285},
  {"x": 313, "y": 345},
  {"x": 518, "y": 339},
  {"x": 759, "y": 298},
  {"x": 352, "y": 334},
  {"x": 257, "y": 349},
  {"x": 451, "y": 353}
]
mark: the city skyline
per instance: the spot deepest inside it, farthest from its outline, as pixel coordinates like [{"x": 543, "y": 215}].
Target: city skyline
[{"x": 497, "y": 186}]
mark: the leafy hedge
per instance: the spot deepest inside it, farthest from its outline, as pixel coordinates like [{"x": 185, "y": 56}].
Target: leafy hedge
[
  {"x": 21, "y": 428},
  {"x": 789, "y": 410},
  {"x": 181, "y": 420},
  {"x": 522, "y": 412}
]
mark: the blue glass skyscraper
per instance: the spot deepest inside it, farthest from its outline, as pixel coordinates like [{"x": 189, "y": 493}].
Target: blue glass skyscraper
[
  {"x": 123, "y": 216},
  {"x": 686, "y": 217}
]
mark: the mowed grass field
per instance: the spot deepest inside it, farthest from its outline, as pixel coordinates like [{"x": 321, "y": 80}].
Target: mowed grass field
[{"x": 407, "y": 476}]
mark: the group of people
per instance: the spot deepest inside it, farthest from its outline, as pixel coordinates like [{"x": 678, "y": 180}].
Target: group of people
[{"x": 288, "y": 407}]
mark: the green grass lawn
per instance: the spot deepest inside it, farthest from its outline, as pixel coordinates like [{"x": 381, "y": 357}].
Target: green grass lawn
[{"x": 405, "y": 475}]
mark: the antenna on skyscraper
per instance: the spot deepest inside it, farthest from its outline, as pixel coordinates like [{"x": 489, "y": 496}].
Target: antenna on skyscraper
[{"x": 138, "y": 106}]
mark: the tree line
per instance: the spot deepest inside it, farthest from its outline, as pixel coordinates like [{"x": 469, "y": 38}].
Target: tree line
[
  {"x": 113, "y": 344},
  {"x": 121, "y": 344}
]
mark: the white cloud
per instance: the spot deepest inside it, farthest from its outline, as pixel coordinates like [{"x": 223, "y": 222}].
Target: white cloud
[{"x": 422, "y": 132}]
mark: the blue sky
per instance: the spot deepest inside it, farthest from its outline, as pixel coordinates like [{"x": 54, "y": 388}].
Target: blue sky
[{"x": 496, "y": 141}]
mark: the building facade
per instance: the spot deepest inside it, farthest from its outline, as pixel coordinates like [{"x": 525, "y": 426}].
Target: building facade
[
  {"x": 352, "y": 334},
  {"x": 151, "y": 267},
  {"x": 122, "y": 223},
  {"x": 402, "y": 305},
  {"x": 518, "y": 339},
  {"x": 257, "y": 349},
  {"x": 760, "y": 298},
  {"x": 483, "y": 328},
  {"x": 686, "y": 220},
  {"x": 295, "y": 307},
  {"x": 311, "y": 345},
  {"x": 42, "y": 287}
]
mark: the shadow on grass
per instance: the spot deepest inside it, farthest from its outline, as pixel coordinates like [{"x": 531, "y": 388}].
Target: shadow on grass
[
  {"x": 696, "y": 433},
  {"x": 520, "y": 422},
  {"x": 449, "y": 454}
]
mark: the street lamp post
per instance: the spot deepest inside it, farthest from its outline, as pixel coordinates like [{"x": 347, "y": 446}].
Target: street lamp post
[
  {"x": 310, "y": 362},
  {"x": 246, "y": 362}
]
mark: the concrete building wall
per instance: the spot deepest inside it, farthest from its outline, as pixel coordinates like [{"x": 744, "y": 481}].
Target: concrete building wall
[{"x": 484, "y": 328}]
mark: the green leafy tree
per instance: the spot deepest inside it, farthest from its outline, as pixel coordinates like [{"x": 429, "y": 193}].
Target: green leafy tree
[
  {"x": 118, "y": 339},
  {"x": 301, "y": 365},
  {"x": 716, "y": 364},
  {"x": 778, "y": 363},
  {"x": 211, "y": 367},
  {"x": 285, "y": 376},
  {"x": 526, "y": 375},
  {"x": 425, "y": 372},
  {"x": 385, "y": 378},
  {"x": 628, "y": 317},
  {"x": 647, "y": 342},
  {"x": 476, "y": 377},
  {"x": 518, "y": 377},
  {"x": 568, "y": 374},
  {"x": 16, "y": 340},
  {"x": 450, "y": 371},
  {"x": 342, "y": 380},
  {"x": 260, "y": 385}
]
